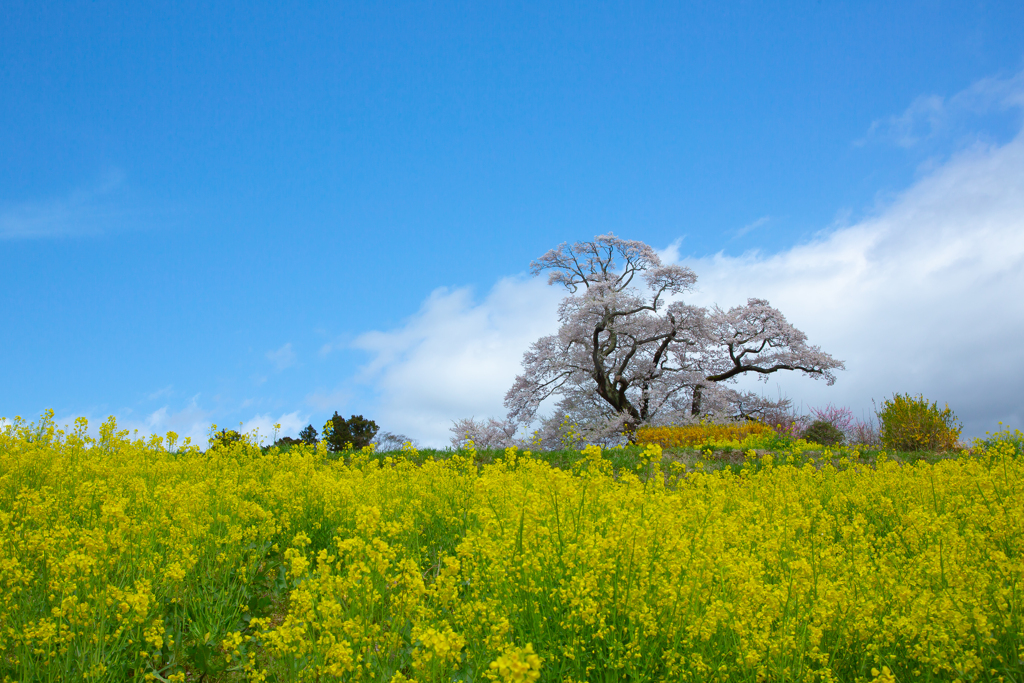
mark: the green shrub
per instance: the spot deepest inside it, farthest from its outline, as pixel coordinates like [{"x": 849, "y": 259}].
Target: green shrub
[
  {"x": 823, "y": 433},
  {"x": 914, "y": 424}
]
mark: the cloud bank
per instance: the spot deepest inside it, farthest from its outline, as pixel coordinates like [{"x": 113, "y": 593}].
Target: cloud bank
[{"x": 925, "y": 296}]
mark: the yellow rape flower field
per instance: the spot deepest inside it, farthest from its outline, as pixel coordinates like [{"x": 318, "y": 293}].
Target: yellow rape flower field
[{"x": 131, "y": 559}]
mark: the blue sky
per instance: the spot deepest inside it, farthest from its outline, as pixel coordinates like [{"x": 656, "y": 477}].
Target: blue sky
[{"x": 256, "y": 213}]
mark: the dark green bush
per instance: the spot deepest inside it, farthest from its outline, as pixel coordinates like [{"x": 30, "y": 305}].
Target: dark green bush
[
  {"x": 823, "y": 433},
  {"x": 308, "y": 435},
  {"x": 355, "y": 432}
]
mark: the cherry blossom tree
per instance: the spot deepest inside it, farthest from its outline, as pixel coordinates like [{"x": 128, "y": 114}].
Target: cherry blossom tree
[
  {"x": 488, "y": 434},
  {"x": 630, "y": 352}
]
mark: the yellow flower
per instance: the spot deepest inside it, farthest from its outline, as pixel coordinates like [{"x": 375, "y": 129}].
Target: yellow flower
[{"x": 517, "y": 665}]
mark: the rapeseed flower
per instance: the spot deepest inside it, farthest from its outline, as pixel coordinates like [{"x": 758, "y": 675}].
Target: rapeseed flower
[{"x": 123, "y": 557}]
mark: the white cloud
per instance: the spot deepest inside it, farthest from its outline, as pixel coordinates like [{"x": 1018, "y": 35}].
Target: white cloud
[
  {"x": 282, "y": 358},
  {"x": 192, "y": 421},
  {"x": 456, "y": 357},
  {"x": 263, "y": 425},
  {"x": 923, "y": 297},
  {"x": 670, "y": 254}
]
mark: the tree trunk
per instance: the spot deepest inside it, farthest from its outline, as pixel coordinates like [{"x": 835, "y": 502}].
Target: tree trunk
[{"x": 695, "y": 404}]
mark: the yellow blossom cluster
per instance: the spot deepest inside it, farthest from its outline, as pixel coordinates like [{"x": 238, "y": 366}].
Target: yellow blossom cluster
[
  {"x": 139, "y": 559},
  {"x": 516, "y": 666}
]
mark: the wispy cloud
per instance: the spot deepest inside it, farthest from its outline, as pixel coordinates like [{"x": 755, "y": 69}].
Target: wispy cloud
[
  {"x": 339, "y": 343},
  {"x": 84, "y": 211},
  {"x": 283, "y": 357},
  {"x": 932, "y": 116},
  {"x": 763, "y": 220},
  {"x": 161, "y": 393}
]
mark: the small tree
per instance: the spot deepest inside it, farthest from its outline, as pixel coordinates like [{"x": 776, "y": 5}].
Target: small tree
[
  {"x": 830, "y": 426},
  {"x": 308, "y": 435},
  {"x": 839, "y": 417},
  {"x": 355, "y": 432},
  {"x": 629, "y": 353}
]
